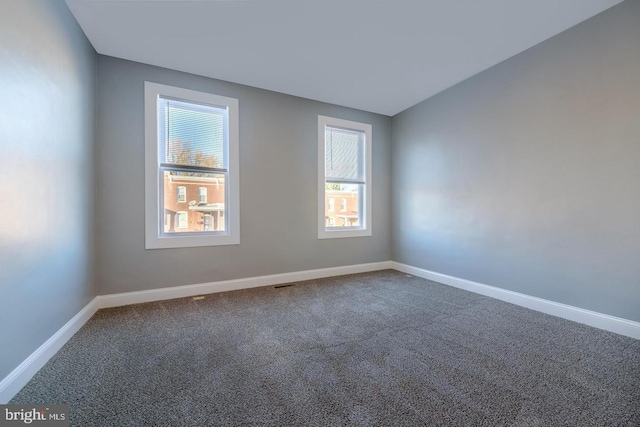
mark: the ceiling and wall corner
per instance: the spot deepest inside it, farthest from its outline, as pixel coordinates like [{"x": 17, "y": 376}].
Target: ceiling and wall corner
[{"x": 381, "y": 57}]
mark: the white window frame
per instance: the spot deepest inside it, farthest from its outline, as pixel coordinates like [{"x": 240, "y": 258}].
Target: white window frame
[
  {"x": 154, "y": 238},
  {"x": 179, "y": 214},
  {"x": 184, "y": 190},
  {"x": 200, "y": 194},
  {"x": 365, "y": 225},
  {"x": 332, "y": 204}
]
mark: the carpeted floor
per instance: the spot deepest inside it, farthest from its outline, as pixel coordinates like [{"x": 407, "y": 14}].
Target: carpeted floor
[{"x": 374, "y": 349}]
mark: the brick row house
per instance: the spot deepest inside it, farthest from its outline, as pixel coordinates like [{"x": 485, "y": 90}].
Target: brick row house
[
  {"x": 194, "y": 202},
  {"x": 341, "y": 208}
]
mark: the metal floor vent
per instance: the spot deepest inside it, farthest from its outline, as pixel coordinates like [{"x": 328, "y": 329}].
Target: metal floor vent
[{"x": 284, "y": 286}]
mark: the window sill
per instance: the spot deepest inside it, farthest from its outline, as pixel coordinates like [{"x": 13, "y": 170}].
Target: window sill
[
  {"x": 340, "y": 232},
  {"x": 155, "y": 242}
]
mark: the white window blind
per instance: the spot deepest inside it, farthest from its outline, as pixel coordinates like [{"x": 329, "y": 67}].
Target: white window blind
[
  {"x": 193, "y": 134},
  {"x": 343, "y": 155}
]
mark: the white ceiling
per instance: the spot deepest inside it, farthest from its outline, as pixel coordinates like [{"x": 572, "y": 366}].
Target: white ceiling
[{"x": 379, "y": 56}]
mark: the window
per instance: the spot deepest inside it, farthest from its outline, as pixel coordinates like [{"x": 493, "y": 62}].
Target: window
[
  {"x": 182, "y": 194},
  {"x": 182, "y": 219},
  {"x": 344, "y": 172},
  {"x": 202, "y": 194},
  {"x": 191, "y": 142}
]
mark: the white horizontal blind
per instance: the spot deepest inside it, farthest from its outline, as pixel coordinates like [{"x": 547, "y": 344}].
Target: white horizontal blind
[
  {"x": 343, "y": 155},
  {"x": 193, "y": 134}
]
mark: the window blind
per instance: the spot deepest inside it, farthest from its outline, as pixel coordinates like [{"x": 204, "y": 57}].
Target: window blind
[
  {"x": 193, "y": 134},
  {"x": 343, "y": 151}
]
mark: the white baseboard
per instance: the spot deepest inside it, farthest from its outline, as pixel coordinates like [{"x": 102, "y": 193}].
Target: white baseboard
[
  {"x": 592, "y": 318},
  {"x": 21, "y": 375},
  {"x": 117, "y": 300}
]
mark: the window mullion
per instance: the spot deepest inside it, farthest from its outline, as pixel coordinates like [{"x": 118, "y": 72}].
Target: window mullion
[
  {"x": 196, "y": 169},
  {"x": 343, "y": 181}
]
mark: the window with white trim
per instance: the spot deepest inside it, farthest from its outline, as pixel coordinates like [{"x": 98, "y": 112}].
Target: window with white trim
[
  {"x": 344, "y": 172},
  {"x": 182, "y": 219},
  {"x": 182, "y": 194},
  {"x": 202, "y": 194},
  {"x": 191, "y": 142}
]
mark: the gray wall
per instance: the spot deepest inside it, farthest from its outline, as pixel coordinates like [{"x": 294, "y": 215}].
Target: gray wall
[
  {"x": 278, "y": 187},
  {"x": 527, "y": 176},
  {"x": 47, "y": 88}
]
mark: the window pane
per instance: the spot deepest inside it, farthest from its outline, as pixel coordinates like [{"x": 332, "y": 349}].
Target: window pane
[
  {"x": 182, "y": 194},
  {"x": 182, "y": 219},
  {"x": 202, "y": 195},
  {"x": 205, "y": 202},
  {"x": 342, "y": 154},
  {"x": 193, "y": 134},
  {"x": 350, "y": 199}
]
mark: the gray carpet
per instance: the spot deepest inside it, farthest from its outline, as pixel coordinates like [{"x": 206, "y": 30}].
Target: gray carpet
[{"x": 374, "y": 349}]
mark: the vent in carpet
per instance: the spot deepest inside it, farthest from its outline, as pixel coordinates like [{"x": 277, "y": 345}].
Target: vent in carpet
[{"x": 284, "y": 286}]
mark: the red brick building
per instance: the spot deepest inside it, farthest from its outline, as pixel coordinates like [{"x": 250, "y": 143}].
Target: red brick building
[
  {"x": 194, "y": 203},
  {"x": 341, "y": 208}
]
